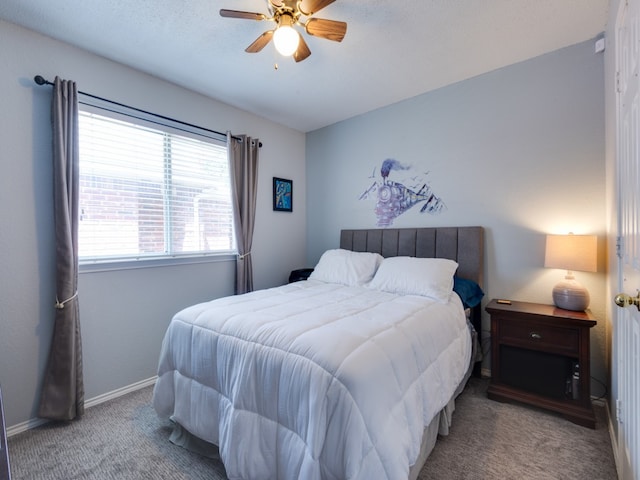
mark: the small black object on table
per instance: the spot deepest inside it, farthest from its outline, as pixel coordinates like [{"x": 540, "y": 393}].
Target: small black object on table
[{"x": 300, "y": 274}]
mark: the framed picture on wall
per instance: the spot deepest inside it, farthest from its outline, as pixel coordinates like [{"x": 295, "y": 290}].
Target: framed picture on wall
[{"x": 282, "y": 194}]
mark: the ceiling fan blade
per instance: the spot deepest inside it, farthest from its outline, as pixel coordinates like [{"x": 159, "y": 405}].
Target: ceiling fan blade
[
  {"x": 260, "y": 42},
  {"x": 302, "y": 52},
  {"x": 309, "y": 7},
  {"x": 237, "y": 14},
  {"x": 329, "y": 29}
]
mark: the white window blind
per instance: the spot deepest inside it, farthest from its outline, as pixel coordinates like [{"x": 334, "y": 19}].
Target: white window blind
[{"x": 148, "y": 192}]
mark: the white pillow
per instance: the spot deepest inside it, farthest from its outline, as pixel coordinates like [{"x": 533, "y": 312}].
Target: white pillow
[
  {"x": 428, "y": 277},
  {"x": 346, "y": 267}
]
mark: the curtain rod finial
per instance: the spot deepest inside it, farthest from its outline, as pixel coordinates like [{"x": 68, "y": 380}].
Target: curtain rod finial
[{"x": 39, "y": 80}]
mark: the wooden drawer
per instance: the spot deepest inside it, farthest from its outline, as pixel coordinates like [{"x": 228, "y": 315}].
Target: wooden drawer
[{"x": 539, "y": 337}]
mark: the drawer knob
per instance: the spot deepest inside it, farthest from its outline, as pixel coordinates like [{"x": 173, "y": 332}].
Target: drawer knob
[{"x": 535, "y": 335}]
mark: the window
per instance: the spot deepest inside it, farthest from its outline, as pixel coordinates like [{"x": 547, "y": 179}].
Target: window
[{"x": 149, "y": 192}]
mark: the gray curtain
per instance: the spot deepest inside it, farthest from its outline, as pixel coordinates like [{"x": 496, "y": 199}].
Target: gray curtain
[
  {"x": 243, "y": 161},
  {"x": 62, "y": 395}
]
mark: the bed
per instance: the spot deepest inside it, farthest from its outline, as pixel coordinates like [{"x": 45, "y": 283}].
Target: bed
[{"x": 330, "y": 378}]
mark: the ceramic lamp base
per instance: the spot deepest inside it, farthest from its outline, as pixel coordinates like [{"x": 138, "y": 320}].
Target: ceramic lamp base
[{"x": 571, "y": 295}]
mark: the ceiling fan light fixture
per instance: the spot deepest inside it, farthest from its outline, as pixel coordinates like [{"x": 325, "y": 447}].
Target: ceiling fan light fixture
[
  {"x": 286, "y": 14},
  {"x": 285, "y": 38}
]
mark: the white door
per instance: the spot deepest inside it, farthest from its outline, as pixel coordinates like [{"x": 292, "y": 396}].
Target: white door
[{"x": 626, "y": 351}]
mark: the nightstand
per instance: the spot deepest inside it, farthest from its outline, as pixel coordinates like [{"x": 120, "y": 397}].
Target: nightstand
[{"x": 540, "y": 356}]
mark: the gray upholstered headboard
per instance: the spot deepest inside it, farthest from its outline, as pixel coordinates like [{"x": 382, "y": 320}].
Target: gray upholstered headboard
[{"x": 465, "y": 245}]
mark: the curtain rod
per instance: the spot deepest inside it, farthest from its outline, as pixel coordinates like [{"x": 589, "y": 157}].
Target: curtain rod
[{"x": 40, "y": 80}]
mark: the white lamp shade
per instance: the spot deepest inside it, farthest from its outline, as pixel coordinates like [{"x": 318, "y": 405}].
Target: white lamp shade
[
  {"x": 572, "y": 252},
  {"x": 286, "y": 40}
]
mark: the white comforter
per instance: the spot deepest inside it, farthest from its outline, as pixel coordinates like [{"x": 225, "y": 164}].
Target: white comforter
[{"x": 313, "y": 380}]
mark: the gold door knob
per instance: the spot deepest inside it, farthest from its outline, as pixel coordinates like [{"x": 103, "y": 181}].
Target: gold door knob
[{"x": 624, "y": 300}]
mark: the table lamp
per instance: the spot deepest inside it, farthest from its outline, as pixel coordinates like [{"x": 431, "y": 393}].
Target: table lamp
[{"x": 571, "y": 253}]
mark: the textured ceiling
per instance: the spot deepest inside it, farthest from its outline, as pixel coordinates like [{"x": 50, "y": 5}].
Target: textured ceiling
[{"x": 393, "y": 50}]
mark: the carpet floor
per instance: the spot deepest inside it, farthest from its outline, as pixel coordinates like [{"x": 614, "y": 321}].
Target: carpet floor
[{"x": 124, "y": 439}]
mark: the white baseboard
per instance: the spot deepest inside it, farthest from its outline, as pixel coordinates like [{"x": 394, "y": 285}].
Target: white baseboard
[
  {"x": 614, "y": 439},
  {"x": 105, "y": 397},
  {"x": 92, "y": 402},
  {"x": 24, "y": 426}
]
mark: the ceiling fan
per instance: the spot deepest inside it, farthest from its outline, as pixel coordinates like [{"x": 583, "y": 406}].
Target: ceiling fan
[{"x": 287, "y": 14}]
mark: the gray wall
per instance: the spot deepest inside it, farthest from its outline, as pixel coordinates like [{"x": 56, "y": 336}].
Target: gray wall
[
  {"x": 519, "y": 151},
  {"x": 124, "y": 313}
]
